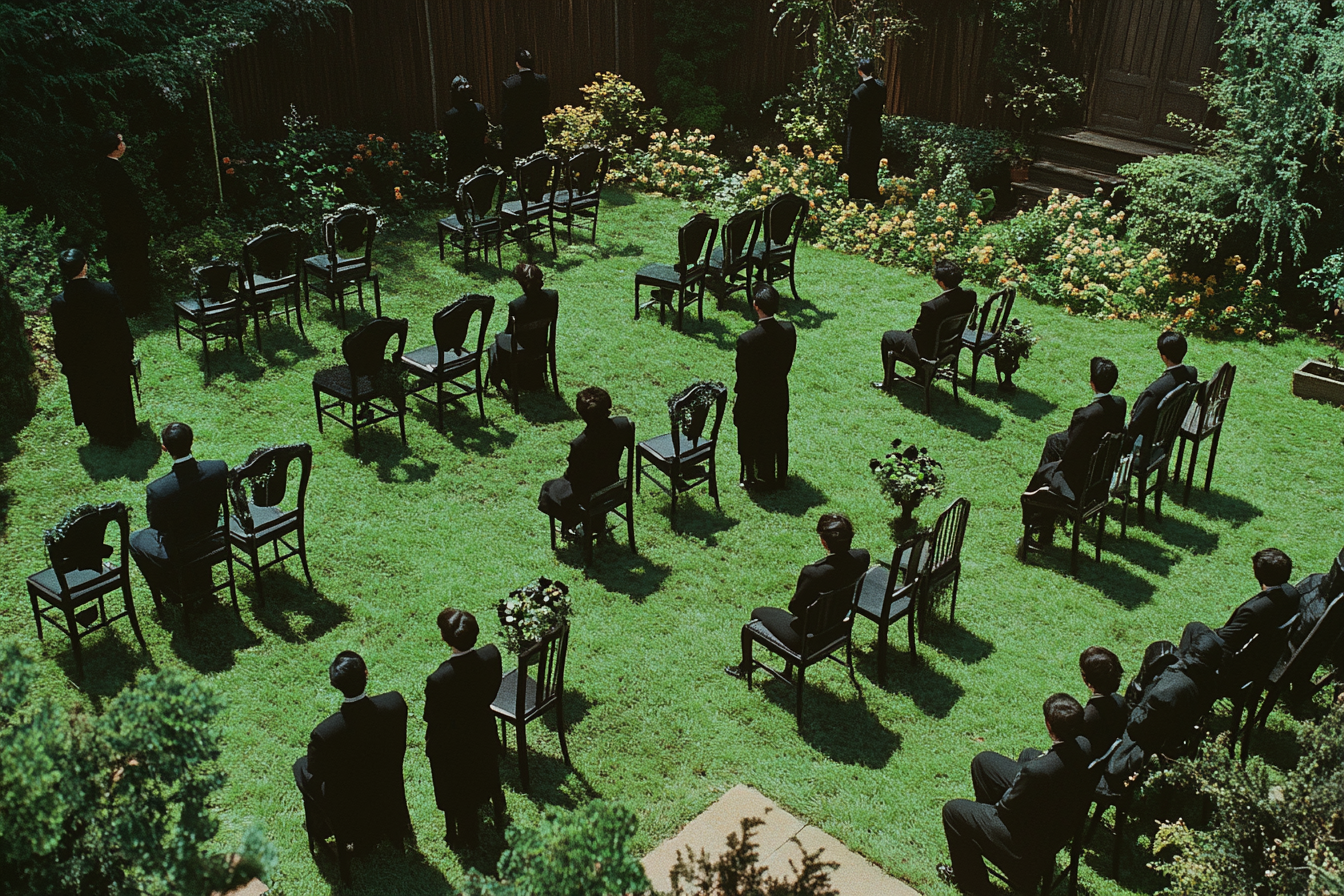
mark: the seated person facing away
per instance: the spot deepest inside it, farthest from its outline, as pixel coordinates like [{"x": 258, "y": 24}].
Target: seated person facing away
[
  {"x": 1171, "y": 349},
  {"x": 1104, "y": 713},
  {"x": 1067, "y": 455},
  {"x": 922, "y": 342},
  {"x": 510, "y": 358},
  {"x": 1024, "y": 810},
  {"x": 841, "y": 566},
  {"x": 182, "y": 507},
  {"x": 351, "y": 777},
  {"x": 1274, "y": 605},
  {"x": 594, "y": 460}
]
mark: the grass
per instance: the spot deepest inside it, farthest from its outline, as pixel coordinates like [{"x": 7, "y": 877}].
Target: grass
[{"x": 399, "y": 533}]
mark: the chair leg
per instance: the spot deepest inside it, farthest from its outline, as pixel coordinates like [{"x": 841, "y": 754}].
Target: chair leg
[
  {"x": 975, "y": 369},
  {"x": 714, "y": 482},
  {"x": 1180, "y": 456},
  {"x": 1190, "y": 473},
  {"x": 303, "y": 555},
  {"x": 1157, "y": 493},
  {"x": 793, "y": 262},
  {"x": 928, "y": 395},
  {"x": 130, "y": 611},
  {"x": 560, "y": 729},
  {"x": 317, "y": 400},
  {"x": 552, "y": 519},
  {"x": 37, "y": 614},
  {"x": 1213, "y": 455},
  {"x": 1101, "y": 531},
  {"x": 798, "y": 706},
  {"x": 630, "y": 523},
  {"x": 255, "y": 557},
  {"x": 74, "y": 640},
  {"x": 956, "y": 584},
  {"x": 636, "y": 300},
  {"x": 910, "y": 634},
  {"x": 1073, "y": 556},
  {"x": 401, "y": 422},
  {"x": 354, "y": 425},
  {"x": 1115, "y": 851},
  {"x": 881, "y": 654}
]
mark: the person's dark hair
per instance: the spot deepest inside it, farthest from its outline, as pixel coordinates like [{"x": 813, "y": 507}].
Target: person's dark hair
[
  {"x": 947, "y": 272},
  {"x": 1101, "y": 670},
  {"x": 593, "y": 404},
  {"x": 109, "y": 141},
  {"x": 766, "y": 298},
  {"x": 71, "y": 262},
  {"x": 528, "y": 277},
  {"x": 1064, "y": 715},
  {"x": 176, "y": 437},
  {"x": 523, "y": 57},
  {"x": 1104, "y": 374},
  {"x": 463, "y": 94},
  {"x": 348, "y": 673},
  {"x": 459, "y": 628},
  {"x": 865, "y": 65},
  {"x": 1171, "y": 345},
  {"x": 836, "y": 530},
  {"x": 1272, "y": 567}
]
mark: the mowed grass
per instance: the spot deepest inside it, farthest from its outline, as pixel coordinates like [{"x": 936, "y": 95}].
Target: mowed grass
[{"x": 396, "y": 534}]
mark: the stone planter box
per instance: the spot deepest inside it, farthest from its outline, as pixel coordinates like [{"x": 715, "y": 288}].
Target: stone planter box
[{"x": 1320, "y": 381}]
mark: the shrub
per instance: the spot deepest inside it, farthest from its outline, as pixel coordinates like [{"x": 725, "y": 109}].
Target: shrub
[
  {"x": 912, "y": 143},
  {"x": 679, "y": 165},
  {"x": 1185, "y": 203},
  {"x": 175, "y": 255},
  {"x": 28, "y": 252},
  {"x": 18, "y": 386},
  {"x": 616, "y": 115},
  {"x": 697, "y": 37},
  {"x": 814, "y": 176}
]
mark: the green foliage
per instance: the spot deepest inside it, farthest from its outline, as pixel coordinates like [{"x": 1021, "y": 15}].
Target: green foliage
[
  {"x": 1038, "y": 94},
  {"x": 695, "y": 37},
  {"x": 679, "y": 164},
  {"x": 908, "y": 475},
  {"x": 1184, "y": 202},
  {"x": 1327, "y": 280},
  {"x": 215, "y": 237},
  {"x": 581, "y": 852},
  {"x": 616, "y": 115},
  {"x": 18, "y": 384},
  {"x": 738, "y": 871},
  {"x": 1270, "y": 833},
  {"x": 915, "y": 144},
  {"x": 28, "y": 252}
]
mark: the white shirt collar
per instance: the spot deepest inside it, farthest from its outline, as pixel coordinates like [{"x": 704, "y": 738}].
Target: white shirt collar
[
  {"x": 1177, "y": 364},
  {"x": 764, "y": 319},
  {"x": 183, "y": 459},
  {"x": 1100, "y": 395},
  {"x": 866, "y": 77},
  {"x": 362, "y": 695},
  {"x": 521, "y": 70}
]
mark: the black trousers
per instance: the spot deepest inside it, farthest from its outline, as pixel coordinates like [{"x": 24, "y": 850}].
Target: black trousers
[
  {"x": 763, "y": 445},
  {"x": 897, "y": 345},
  {"x": 975, "y": 832},
  {"x": 1051, "y": 454},
  {"x": 778, "y": 622}
]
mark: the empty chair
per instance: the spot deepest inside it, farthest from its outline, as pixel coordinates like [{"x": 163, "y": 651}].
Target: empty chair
[
  {"x": 776, "y": 255},
  {"x": 368, "y": 380},
  {"x": 451, "y": 359},
  {"x": 732, "y": 260},
  {"x": 1154, "y": 457},
  {"x": 1203, "y": 421},
  {"x": 584, "y": 174},
  {"x": 476, "y": 222},
  {"x": 983, "y": 338},
  {"x": 257, "y": 489},
  {"x": 80, "y": 574},
  {"x": 942, "y": 558},
  {"x": 683, "y": 282},
  {"x": 1092, "y": 501},
  {"x": 522, "y": 697},
  {"x": 347, "y": 259},
  {"x": 684, "y": 456},
  {"x": 536, "y": 179},
  {"x": 273, "y": 271},
  {"x": 888, "y": 593},
  {"x": 214, "y": 312},
  {"x": 949, "y": 344}
]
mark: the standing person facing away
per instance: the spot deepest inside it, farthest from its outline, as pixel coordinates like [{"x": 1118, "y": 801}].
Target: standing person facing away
[
  {"x": 863, "y": 134},
  {"x": 527, "y": 97},
  {"x": 761, "y": 409},
  {"x": 126, "y": 224}
]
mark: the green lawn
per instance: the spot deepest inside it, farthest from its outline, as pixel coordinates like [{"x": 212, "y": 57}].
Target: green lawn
[{"x": 397, "y": 534}]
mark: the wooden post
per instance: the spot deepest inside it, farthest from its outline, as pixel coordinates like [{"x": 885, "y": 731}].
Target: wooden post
[
  {"x": 616, "y": 30},
  {"x": 214, "y": 140},
  {"x": 433, "y": 79}
]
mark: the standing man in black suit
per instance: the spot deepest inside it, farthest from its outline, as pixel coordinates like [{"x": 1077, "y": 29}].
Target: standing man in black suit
[
  {"x": 594, "y": 460},
  {"x": 351, "y": 777},
  {"x": 1067, "y": 455},
  {"x": 181, "y": 506},
  {"x": 527, "y": 97},
  {"x": 464, "y": 128},
  {"x": 95, "y": 348},
  {"x": 761, "y": 410},
  {"x": 922, "y": 341},
  {"x": 126, "y": 224},
  {"x": 863, "y": 134},
  {"x": 1023, "y": 811},
  {"x": 460, "y": 739},
  {"x": 1171, "y": 348},
  {"x": 841, "y": 566}
]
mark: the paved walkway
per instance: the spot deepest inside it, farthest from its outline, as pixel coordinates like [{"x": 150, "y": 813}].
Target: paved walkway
[{"x": 856, "y": 876}]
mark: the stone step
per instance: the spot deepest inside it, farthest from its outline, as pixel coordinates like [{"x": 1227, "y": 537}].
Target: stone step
[
  {"x": 1095, "y": 150},
  {"x": 1082, "y": 181}
]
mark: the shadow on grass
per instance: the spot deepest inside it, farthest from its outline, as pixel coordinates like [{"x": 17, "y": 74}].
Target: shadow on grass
[
  {"x": 952, "y": 640},
  {"x": 538, "y": 406},
  {"x": 112, "y": 659},
  {"x": 391, "y": 460},
  {"x": 611, "y": 250},
  {"x": 371, "y": 871},
  {"x": 287, "y": 597},
  {"x": 462, "y": 426},
  {"x": 612, "y": 196},
  {"x": 1116, "y": 583},
  {"x": 964, "y": 417},
  {"x": 1022, "y": 402},
  {"x": 9, "y": 449},
  {"x": 803, "y": 313},
  {"x": 552, "y": 783},
  {"x": 616, "y": 568},
  {"x": 1219, "y": 506},
  {"x": 217, "y": 633},
  {"x": 932, "y": 692},
  {"x": 104, "y": 462},
  {"x": 696, "y": 515},
  {"x": 794, "y": 499},
  {"x": 284, "y": 347},
  {"x": 840, "y": 727}
]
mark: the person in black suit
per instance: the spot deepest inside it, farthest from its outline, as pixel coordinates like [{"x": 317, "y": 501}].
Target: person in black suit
[
  {"x": 761, "y": 410},
  {"x": 1274, "y": 605},
  {"x": 95, "y": 348},
  {"x": 181, "y": 507},
  {"x": 464, "y": 129},
  {"x": 1023, "y": 811},
  {"x": 1171, "y": 348},
  {"x": 594, "y": 460},
  {"x": 351, "y": 777},
  {"x": 527, "y": 97},
  {"x": 460, "y": 738},
  {"x": 126, "y": 224},
  {"x": 1104, "y": 712},
  {"x": 524, "y": 356},
  {"x": 841, "y": 566},
  {"x": 922, "y": 341},
  {"x": 863, "y": 134},
  {"x": 1067, "y": 456}
]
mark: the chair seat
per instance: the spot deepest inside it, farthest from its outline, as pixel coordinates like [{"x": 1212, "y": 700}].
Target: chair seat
[
  {"x": 660, "y": 275},
  {"x": 83, "y": 583},
  {"x": 506, "y": 699},
  {"x": 336, "y": 381},
  {"x": 262, "y": 518},
  {"x": 211, "y": 311},
  {"x": 262, "y": 284},
  {"x": 426, "y": 360},
  {"x": 578, "y": 202},
  {"x": 973, "y": 338},
  {"x": 760, "y": 633},
  {"x": 873, "y": 593},
  {"x": 661, "y": 450},
  {"x": 346, "y": 268}
]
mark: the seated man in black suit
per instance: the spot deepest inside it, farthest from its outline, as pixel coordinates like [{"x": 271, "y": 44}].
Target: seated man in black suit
[
  {"x": 1171, "y": 348},
  {"x": 1023, "y": 811},
  {"x": 922, "y": 342},
  {"x": 1067, "y": 456},
  {"x": 1104, "y": 712},
  {"x": 594, "y": 460},
  {"x": 841, "y": 566},
  {"x": 181, "y": 507},
  {"x": 1274, "y": 605},
  {"x": 351, "y": 777}
]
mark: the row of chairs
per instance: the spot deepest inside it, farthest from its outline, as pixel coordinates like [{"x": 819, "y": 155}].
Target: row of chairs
[{"x": 71, "y": 593}]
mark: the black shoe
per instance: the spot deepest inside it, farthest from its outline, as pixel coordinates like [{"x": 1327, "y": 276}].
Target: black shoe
[
  {"x": 885, "y": 387},
  {"x": 946, "y": 874},
  {"x": 735, "y": 671}
]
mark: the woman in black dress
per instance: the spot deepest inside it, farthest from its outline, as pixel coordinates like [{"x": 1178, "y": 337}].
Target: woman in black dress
[
  {"x": 519, "y": 354},
  {"x": 464, "y": 128}
]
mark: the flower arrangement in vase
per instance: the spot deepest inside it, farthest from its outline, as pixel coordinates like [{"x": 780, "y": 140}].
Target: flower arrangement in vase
[
  {"x": 529, "y": 612},
  {"x": 908, "y": 476}
]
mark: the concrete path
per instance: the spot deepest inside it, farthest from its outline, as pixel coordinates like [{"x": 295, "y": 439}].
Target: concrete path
[{"x": 856, "y": 876}]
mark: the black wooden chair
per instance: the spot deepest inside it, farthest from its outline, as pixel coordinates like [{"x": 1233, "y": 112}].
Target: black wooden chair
[
  {"x": 585, "y": 172},
  {"x": 476, "y": 222},
  {"x": 347, "y": 259},
  {"x": 889, "y": 593},
  {"x": 684, "y": 456},
  {"x": 776, "y": 255},
  {"x": 683, "y": 282},
  {"x": 947, "y": 357},
  {"x": 273, "y": 272},
  {"x": 1118, "y": 795},
  {"x": 368, "y": 380},
  {"x": 257, "y": 489},
  {"x": 983, "y": 339},
  {"x": 1154, "y": 458},
  {"x": 942, "y": 559},
  {"x": 532, "y": 351},
  {"x": 344, "y": 844},
  {"x": 608, "y": 500},
  {"x": 536, "y": 180},
  {"x": 1243, "y": 676},
  {"x": 191, "y": 577},
  {"x": 522, "y": 698},
  {"x": 449, "y": 360},
  {"x": 1092, "y": 501},
  {"x": 732, "y": 260},
  {"x": 214, "y": 312},
  {"x": 1121, "y": 489},
  {"x": 80, "y": 574},
  {"x": 827, "y": 626},
  {"x": 1203, "y": 421}
]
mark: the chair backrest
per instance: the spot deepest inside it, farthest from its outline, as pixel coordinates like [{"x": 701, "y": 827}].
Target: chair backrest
[
  {"x": 915, "y": 563},
  {"x": 479, "y": 196},
  {"x": 365, "y": 349},
  {"x": 535, "y": 178},
  {"x": 452, "y": 323},
  {"x": 998, "y": 307},
  {"x": 1101, "y": 470},
  {"x": 347, "y": 236},
  {"x": 586, "y": 172},
  {"x": 1318, "y": 645},
  {"x": 1171, "y": 410},
  {"x": 948, "y": 535},
  {"x": 784, "y": 221},
  {"x": 1256, "y": 660},
  {"x": 1210, "y": 404},
  {"x": 949, "y": 337},
  {"x": 208, "y": 546},
  {"x": 548, "y": 655},
  {"x": 617, "y": 493},
  {"x": 689, "y": 411},
  {"x": 80, "y": 542},
  {"x": 695, "y": 241},
  {"x": 1124, "y": 470},
  {"x": 739, "y": 236},
  {"x": 215, "y": 281},
  {"x": 263, "y": 479},
  {"x": 536, "y": 332},
  {"x": 274, "y": 254},
  {"x": 828, "y": 618}
]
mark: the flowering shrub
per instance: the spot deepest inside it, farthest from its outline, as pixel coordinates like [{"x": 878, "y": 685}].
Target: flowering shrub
[
  {"x": 908, "y": 476},
  {"x": 614, "y": 116},
  {"x": 1231, "y": 304},
  {"x": 679, "y": 165},
  {"x": 814, "y": 176}
]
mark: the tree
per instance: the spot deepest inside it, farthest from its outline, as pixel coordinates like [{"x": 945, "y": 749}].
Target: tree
[{"x": 698, "y": 36}]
